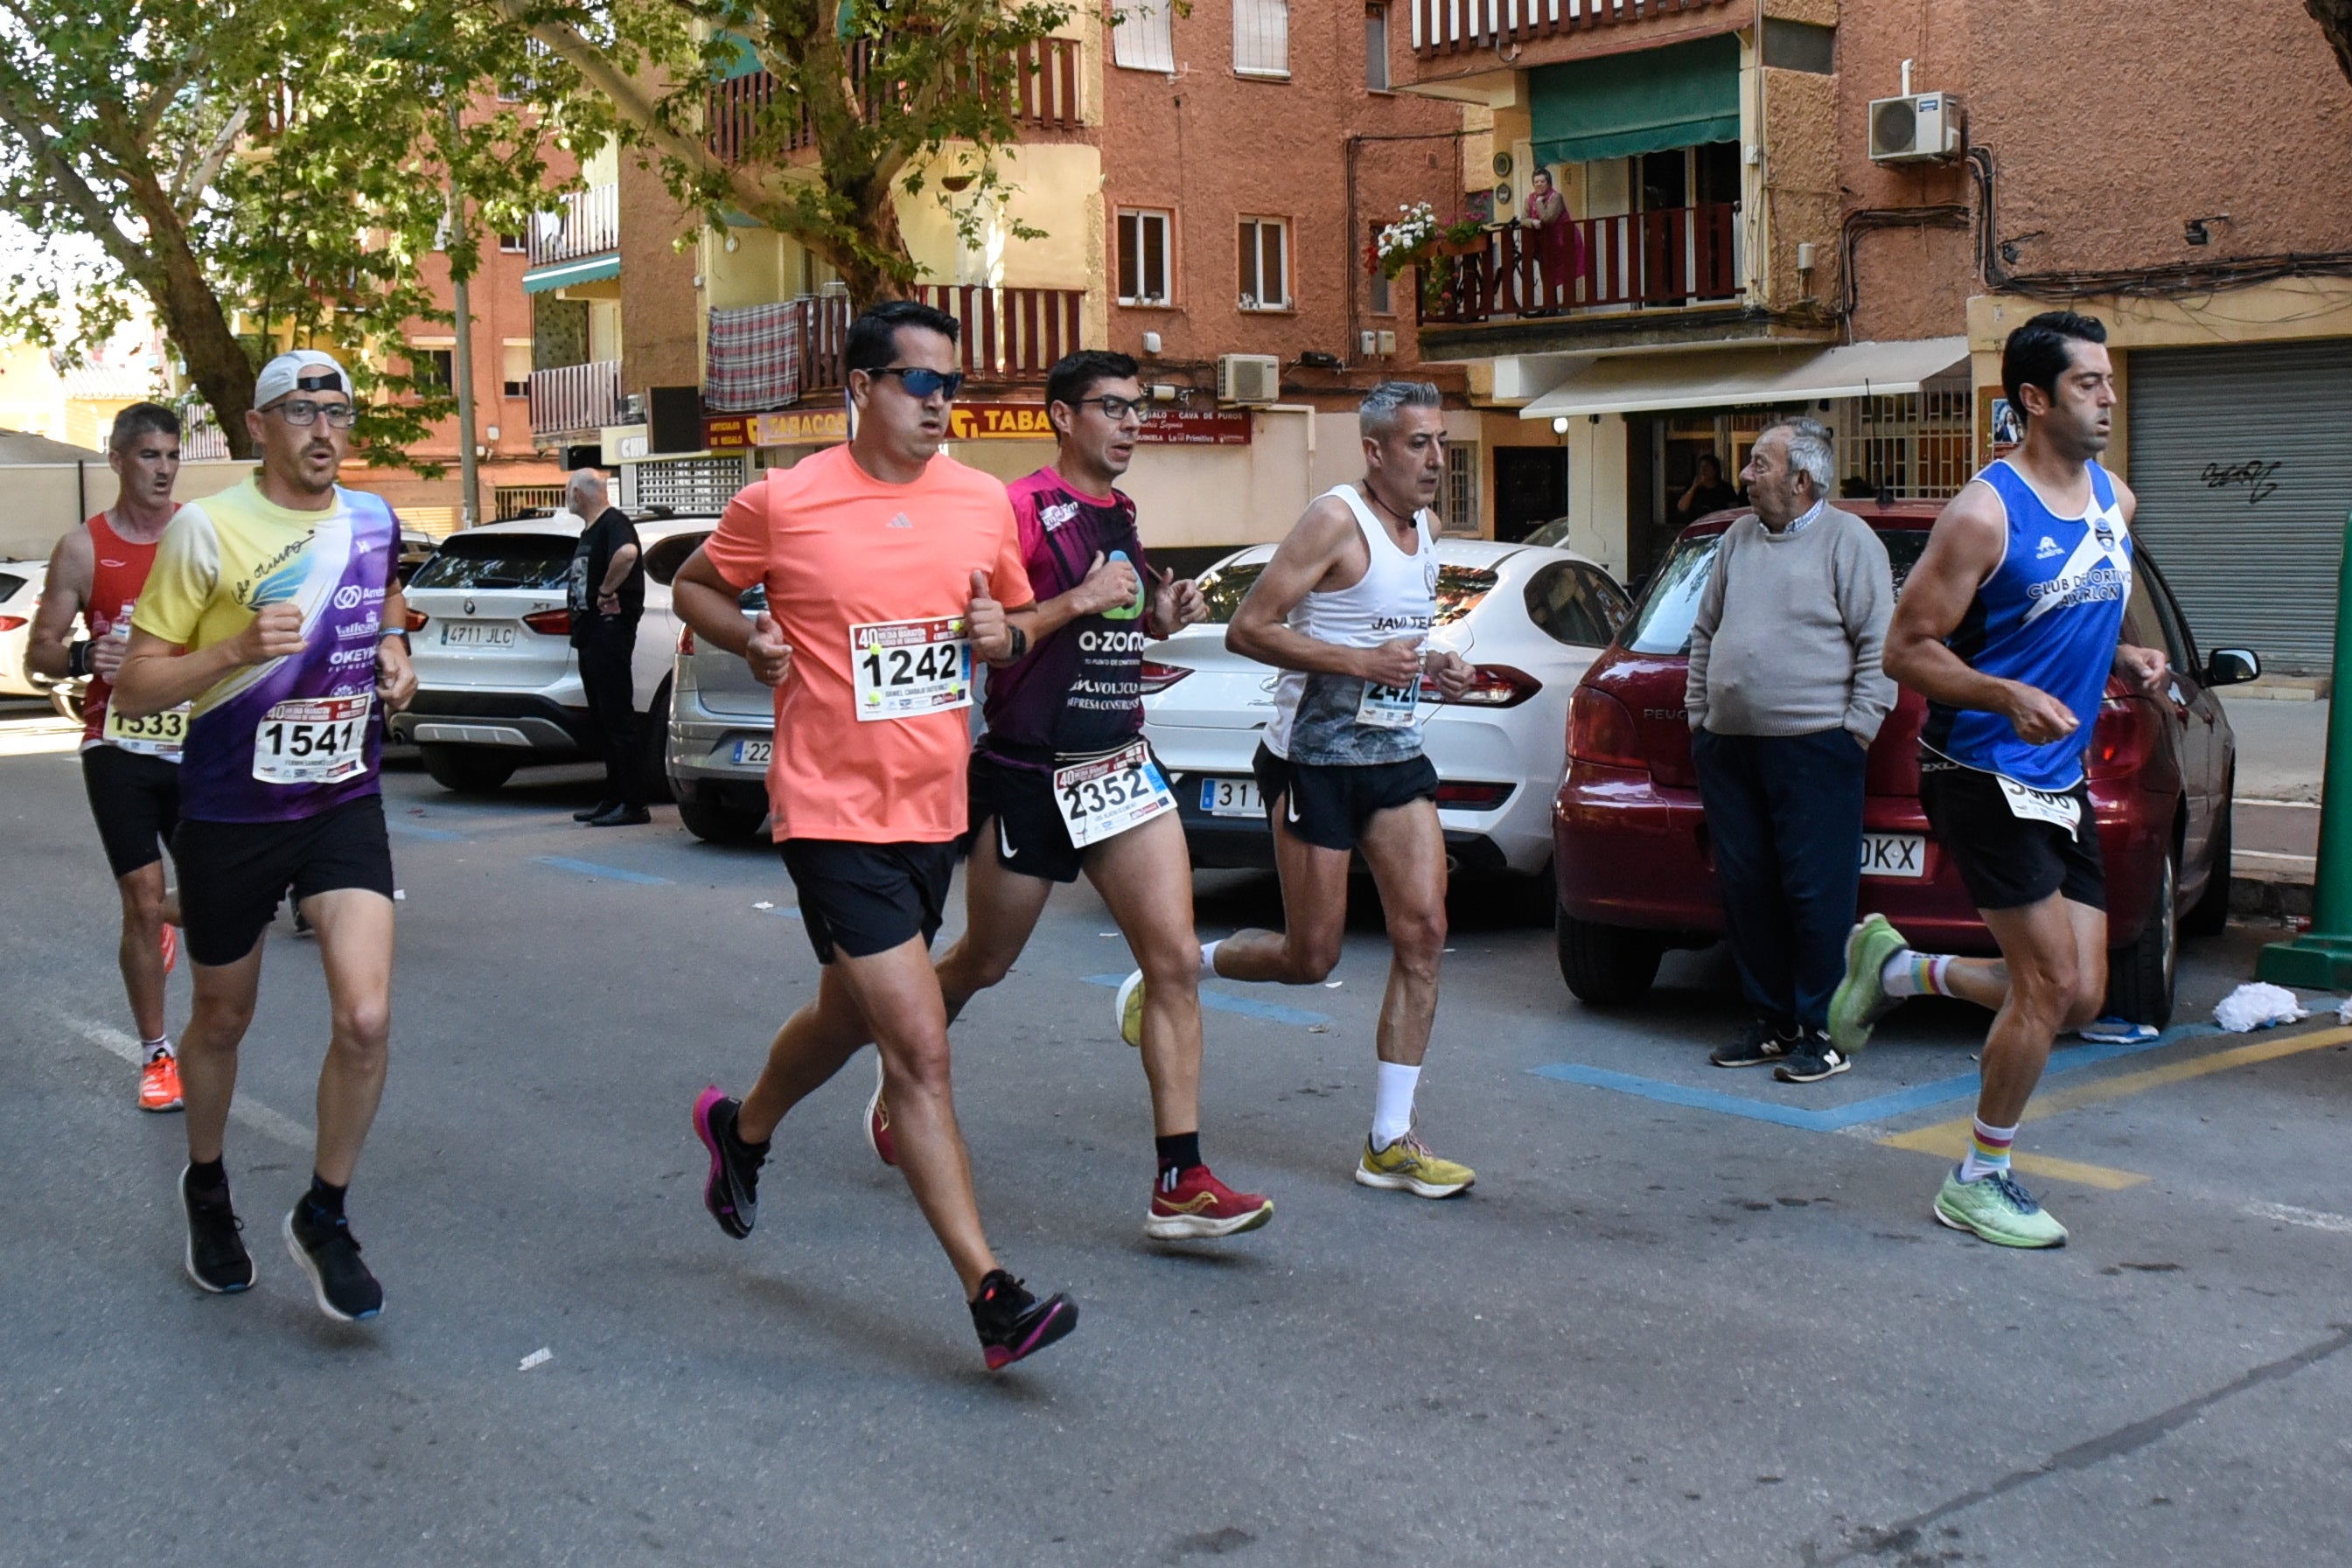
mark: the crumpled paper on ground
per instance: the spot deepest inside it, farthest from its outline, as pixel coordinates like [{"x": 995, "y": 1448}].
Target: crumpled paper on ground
[{"x": 2257, "y": 1005}]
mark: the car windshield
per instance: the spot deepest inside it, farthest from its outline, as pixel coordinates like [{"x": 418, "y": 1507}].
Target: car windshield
[
  {"x": 1459, "y": 589},
  {"x": 1661, "y": 621},
  {"x": 536, "y": 561}
]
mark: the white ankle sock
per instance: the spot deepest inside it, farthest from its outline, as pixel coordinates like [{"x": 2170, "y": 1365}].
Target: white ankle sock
[
  {"x": 1207, "y": 959},
  {"x": 149, "y": 1049},
  {"x": 1910, "y": 973},
  {"x": 1393, "y": 1109}
]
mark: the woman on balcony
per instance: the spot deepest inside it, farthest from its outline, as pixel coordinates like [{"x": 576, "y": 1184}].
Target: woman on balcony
[{"x": 1559, "y": 246}]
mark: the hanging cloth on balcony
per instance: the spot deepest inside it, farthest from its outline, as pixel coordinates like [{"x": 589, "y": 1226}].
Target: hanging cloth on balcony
[
  {"x": 755, "y": 358},
  {"x": 1651, "y": 100}
]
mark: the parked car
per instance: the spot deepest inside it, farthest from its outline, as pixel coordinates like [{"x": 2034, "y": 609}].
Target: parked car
[
  {"x": 721, "y": 722},
  {"x": 21, "y": 583},
  {"x": 1634, "y": 874},
  {"x": 1531, "y": 620},
  {"x": 497, "y": 681},
  {"x": 415, "y": 548}
]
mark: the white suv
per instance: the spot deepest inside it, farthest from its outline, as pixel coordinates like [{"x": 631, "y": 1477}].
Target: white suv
[{"x": 497, "y": 681}]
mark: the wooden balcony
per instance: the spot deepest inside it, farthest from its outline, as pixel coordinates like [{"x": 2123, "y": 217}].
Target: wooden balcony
[
  {"x": 574, "y": 399},
  {"x": 1039, "y": 84},
  {"x": 1004, "y": 334},
  {"x": 1460, "y": 27},
  {"x": 582, "y": 223},
  {"x": 1671, "y": 258}
]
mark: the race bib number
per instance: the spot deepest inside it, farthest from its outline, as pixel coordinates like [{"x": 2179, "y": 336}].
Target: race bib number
[
  {"x": 312, "y": 740},
  {"x": 158, "y": 734},
  {"x": 903, "y": 669},
  {"x": 2030, "y": 805},
  {"x": 1104, "y": 798},
  {"x": 1388, "y": 708}
]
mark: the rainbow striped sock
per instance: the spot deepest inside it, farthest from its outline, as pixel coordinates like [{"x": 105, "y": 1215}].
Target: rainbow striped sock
[
  {"x": 1910, "y": 973},
  {"x": 1988, "y": 1150}
]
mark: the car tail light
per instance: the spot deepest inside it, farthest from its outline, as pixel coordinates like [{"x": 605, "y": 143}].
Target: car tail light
[
  {"x": 1491, "y": 685},
  {"x": 416, "y": 619},
  {"x": 10, "y": 622},
  {"x": 1601, "y": 730},
  {"x": 2121, "y": 740},
  {"x": 686, "y": 642},
  {"x": 1158, "y": 677},
  {"x": 550, "y": 622},
  {"x": 1473, "y": 796}
]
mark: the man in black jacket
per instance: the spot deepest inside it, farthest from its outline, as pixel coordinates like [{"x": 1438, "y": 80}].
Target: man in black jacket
[{"x": 608, "y": 596}]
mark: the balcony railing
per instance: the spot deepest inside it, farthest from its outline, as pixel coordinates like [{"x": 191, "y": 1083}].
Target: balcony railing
[
  {"x": 571, "y": 400},
  {"x": 584, "y": 223},
  {"x": 1040, "y": 83},
  {"x": 1454, "y": 27},
  {"x": 1009, "y": 334},
  {"x": 1671, "y": 257}
]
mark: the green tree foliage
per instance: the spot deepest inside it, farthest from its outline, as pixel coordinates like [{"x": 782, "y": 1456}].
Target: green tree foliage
[
  {"x": 863, "y": 96},
  {"x": 284, "y": 158}
]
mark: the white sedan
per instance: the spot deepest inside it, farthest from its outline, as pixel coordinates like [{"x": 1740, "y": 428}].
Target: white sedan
[{"x": 1531, "y": 620}]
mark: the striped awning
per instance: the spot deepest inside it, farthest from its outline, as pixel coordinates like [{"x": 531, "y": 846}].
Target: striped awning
[{"x": 562, "y": 274}]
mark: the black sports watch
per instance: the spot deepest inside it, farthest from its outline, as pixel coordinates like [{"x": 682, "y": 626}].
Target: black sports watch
[{"x": 78, "y": 659}]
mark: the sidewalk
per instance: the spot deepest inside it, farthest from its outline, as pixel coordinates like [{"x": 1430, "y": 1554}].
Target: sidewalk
[{"x": 2282, "y": 757}]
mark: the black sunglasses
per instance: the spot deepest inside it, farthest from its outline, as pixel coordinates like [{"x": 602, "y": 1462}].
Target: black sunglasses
[{"x": 920, "y": 382}]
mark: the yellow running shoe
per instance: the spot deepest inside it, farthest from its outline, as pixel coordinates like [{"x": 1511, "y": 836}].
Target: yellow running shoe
[
  {"x": 1129, "y": 1010},
  {"x": 1407, "y": 1166}
]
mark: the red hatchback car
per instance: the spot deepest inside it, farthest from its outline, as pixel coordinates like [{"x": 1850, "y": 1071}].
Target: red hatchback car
[{"x": 1634, "y": 871}]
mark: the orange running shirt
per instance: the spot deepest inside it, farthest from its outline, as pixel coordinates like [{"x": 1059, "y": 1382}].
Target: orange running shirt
[{"x": 837, "y": 548}]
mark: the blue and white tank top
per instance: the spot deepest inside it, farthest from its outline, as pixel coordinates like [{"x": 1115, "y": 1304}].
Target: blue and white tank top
[{"x": 2049, "y": 616}]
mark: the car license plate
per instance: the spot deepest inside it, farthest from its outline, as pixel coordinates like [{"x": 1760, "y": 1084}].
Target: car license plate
[
  {"x": 1903, "y": 856},
  {"x": 1231, "y": 798},
  {"x": 751, "y": 751},
  {"x": 477, "y": 634}
]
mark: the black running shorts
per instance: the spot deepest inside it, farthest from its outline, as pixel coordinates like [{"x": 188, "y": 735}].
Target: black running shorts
[
  {"x": 1014, "y": 806},
  {"x": 2007, "y": 863},
  {"x": 1329, "y": 807},
  {"x": 864, "y": 899},
  {"x": 136, "y": 802},
  {"x": 234, "y": 874}
]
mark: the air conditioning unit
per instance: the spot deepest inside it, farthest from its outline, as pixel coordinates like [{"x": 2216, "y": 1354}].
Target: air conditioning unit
[
  {"x": 1249, "y": 378},
  {"x": 1918, "y": 128}
]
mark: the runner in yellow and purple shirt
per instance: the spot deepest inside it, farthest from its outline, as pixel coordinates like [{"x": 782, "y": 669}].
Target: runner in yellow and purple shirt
[{"x": 273, "y": 610}]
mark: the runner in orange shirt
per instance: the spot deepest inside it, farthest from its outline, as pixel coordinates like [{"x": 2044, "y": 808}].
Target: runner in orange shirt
[{"x": 888, "y": 568}]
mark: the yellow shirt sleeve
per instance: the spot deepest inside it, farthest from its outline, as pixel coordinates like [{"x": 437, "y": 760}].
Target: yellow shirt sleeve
[{"x": 181, "y": 584}]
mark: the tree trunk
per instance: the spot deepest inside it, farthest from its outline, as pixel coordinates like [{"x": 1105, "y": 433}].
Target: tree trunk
[
  {"x": 2335, "y": 19},
  {"x": 174, "y": 283}
]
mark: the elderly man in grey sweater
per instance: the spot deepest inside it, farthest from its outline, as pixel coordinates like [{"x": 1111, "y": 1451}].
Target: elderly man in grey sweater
[{"x": 1786, "y": 694}]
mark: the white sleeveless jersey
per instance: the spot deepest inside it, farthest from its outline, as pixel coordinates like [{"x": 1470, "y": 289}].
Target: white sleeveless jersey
[{"x": 1315, "y": 715}]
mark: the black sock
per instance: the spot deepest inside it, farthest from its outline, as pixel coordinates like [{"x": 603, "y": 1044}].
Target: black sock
[
  {"x": 209, "y": 1176},
  {"x": 735, "y": 1136},
  {"x": 1178, "y": 1152},
  {"x": 326, "y": 1201}
]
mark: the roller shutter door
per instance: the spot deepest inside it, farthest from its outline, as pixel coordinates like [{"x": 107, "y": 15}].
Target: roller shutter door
[{"x": 2241, "y": 457}]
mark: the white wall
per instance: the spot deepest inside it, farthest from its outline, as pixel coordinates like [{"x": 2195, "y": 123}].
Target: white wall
[{"x": 1596, "y": 490}]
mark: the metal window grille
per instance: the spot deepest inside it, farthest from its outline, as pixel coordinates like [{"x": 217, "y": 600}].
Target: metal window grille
[
  {"x": 686, "y": 484},
  {"x": 1262, "y": 37},
  {"x": 1458, "y": 501},
  {"x": 1913, "y": 445},
  {"x": 1141, "y": 39}
]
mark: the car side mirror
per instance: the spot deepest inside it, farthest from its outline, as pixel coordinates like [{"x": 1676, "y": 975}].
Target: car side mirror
[{"x": 2232, "y": 667}]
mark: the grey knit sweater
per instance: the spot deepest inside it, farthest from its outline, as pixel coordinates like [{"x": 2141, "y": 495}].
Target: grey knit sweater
[{"x": 1791, "y": 631}]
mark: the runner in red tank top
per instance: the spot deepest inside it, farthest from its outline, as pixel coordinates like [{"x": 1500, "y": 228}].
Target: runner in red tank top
[{"x": 129, "y": 766}]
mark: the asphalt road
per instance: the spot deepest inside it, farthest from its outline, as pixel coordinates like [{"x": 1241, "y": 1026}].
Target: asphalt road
[{"x": 1688, "y": 1317}]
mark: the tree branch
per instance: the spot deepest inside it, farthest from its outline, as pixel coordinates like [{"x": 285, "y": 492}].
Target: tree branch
[{"x": 69, "y": 188}]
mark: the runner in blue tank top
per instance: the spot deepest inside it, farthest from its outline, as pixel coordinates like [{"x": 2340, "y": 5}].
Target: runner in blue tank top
[{"x": 2010, "y": 626}]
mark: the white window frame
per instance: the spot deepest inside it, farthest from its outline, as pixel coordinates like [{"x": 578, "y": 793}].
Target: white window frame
[
  {"x": 1143, "y": 218},
  {"x": 1261, "y": 39},
  {"x": 1457, "y": 498},
  {"x": 1142, "y": 36},
  {"x": 1251, "y": 284}
]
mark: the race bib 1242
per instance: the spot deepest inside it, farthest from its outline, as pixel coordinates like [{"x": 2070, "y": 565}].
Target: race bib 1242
[{"x": 903, "y": 669}]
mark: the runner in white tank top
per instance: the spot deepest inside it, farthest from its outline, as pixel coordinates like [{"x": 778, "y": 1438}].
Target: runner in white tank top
[{"x": 1344, "y": 610}]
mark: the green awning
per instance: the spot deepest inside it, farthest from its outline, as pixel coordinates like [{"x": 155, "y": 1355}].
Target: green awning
[
  {"x": 1651, "y": 100},
  {"x": 561, "y": 274}
]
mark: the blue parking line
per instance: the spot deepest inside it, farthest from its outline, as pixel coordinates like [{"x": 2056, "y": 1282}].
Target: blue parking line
[
  {"x": 1878, "y": 1108},
  {"x": 1248, "y": 1006},
  {"x": 605, "y": 872},
  {"x": 411, "y": 830}
]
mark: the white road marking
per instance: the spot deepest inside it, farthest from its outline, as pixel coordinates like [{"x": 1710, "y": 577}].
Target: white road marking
[
  {"x": 245, "y": 1109},
  {"x": 2309, "y": 1219}
]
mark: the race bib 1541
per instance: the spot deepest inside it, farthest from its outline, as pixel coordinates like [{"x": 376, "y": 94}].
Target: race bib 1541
[{"x": 312, "y": 740}]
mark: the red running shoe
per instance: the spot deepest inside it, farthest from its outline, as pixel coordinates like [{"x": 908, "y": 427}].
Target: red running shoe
[
  {"x": 159, "y": 1080},
  {"x": 877, "y": 1121},
  {"x": 1200, "y": 1206}
]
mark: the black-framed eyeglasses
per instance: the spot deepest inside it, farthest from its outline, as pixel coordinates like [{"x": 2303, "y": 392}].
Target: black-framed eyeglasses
[
  {"x": 1117, "y": 409},
  {"x": 301, "y": 412},
  {"x": 921, "y": 382}
]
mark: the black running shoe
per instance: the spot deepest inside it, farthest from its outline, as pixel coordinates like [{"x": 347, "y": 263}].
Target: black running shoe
[
  {"x": 1014, "y": 1323},
  {"x": 732, "y": 1191},
  {"x": 1812, "y": 1059},
  {"x": 329, "y": 1254},
  {"x": 1759, "y": 1043},
  {"x": 216, "y": 1259}
]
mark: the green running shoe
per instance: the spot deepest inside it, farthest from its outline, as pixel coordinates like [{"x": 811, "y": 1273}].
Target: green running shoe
[
  {"x": 1861, "y": 1001},
  {"x": 1998, "y": 1210}
]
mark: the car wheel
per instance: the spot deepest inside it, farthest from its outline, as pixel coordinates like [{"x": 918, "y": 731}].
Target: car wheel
[
  {"x": 1604, "y": 966},
  {"x": 2212, "y": 914},
  {"x": 714, "y": 824},
  {"x": 467, "y": 769},
  {"x": 654, "y": 752},
  {"x": 2140, "y": 977}
]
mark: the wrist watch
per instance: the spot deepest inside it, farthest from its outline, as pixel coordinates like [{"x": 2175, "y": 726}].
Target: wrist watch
[{"x": 405, "y": 646}]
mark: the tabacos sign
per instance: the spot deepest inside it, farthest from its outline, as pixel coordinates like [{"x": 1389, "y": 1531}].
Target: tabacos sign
[
  {"x": 999, "y": 421},
  {"x": 793, "y": 427}
]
